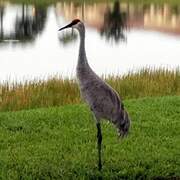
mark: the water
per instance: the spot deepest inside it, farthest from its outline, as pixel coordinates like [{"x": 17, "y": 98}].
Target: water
[{"x": 119, "y": 37}]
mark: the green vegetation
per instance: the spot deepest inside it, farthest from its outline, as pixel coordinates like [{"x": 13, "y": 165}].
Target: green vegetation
[
  {"x": 55, "y": 91},
  {"x": 60, "y": 143}
]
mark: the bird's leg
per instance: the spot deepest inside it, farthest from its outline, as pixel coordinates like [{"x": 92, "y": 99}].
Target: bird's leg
[{"x": 99, "y": 141}]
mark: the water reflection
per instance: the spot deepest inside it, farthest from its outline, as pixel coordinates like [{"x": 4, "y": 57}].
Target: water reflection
[
  {"x": 54, "y": 52},
  {"x": 159, "y": 17},
  {"x": 1, "y": 22},
  {"x": 27, "y": 25},
  {"x": 67, "y": 37},
  {"x": 115, "y": 24},
  {"x": 110, "y": 19}
]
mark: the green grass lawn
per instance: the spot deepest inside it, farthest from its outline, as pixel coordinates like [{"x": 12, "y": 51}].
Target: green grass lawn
[{"x": 60, "y": 142}]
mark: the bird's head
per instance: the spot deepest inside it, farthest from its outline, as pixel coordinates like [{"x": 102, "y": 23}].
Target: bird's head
[
  {"x": 124, "y": 124},
  {"x": 76, "y": 23}
]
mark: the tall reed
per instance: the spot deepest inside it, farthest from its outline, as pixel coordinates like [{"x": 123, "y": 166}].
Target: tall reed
[{"x": 57, "y": 91}]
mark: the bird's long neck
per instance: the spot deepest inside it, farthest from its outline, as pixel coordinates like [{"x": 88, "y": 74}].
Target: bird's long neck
[{"x": 82, "y": 60}]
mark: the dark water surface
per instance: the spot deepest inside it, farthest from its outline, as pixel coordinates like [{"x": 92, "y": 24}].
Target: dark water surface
[{"x": 119, "y": 37}]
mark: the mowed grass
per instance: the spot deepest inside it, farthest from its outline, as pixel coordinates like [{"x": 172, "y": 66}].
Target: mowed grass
[
  {"x": 60, "y": 143},
  {"x": 57, "y": 91}
]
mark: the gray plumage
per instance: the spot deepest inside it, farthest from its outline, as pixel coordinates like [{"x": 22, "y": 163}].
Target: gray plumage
[{"x": 104, "y": 101}]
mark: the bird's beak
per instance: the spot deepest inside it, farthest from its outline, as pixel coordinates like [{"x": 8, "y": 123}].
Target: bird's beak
[{"x": 68, "y": 26}]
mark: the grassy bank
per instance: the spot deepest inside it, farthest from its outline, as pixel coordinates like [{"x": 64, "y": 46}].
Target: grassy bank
[
  {"x": 56, "y": 91},
  {"x": 60, "y": 143}
]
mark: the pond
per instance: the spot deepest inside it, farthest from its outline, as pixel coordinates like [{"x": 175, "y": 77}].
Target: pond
[{"x": 120, "y": 37}]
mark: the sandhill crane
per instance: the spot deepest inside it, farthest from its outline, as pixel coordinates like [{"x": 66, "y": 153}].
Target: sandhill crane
[{"x": 104, "y": 101}]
